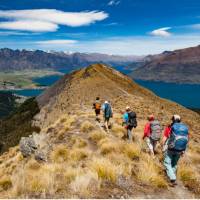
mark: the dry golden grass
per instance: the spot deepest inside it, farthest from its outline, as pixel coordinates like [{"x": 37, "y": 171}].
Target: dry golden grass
[
  {"x": 189, "y": 176},
  {"x": 60, "y": 153},
  {"x": 77, "y": 154},
  {"x": 33, "y": 165},
  {"x": 5, "y": 183},
  {"x": 118, "y": 130},
  {"x": 110, "y": 146},
  {"x": 150, "y": 173},
  {"x": 85, "y": 184},
  {"x": 132, "y": 150},
  {"x": 78, "y": 142},
  {"x": 104, "y": 168},
  {"x": 87, "y": 126},
  {"x": 97, "y": 135}
]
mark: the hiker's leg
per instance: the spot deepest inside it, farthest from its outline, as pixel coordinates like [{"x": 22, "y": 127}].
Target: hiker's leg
[
  {"x": 149, "y": 144},
  {"x": 130, "y": 137},
  {"x": 168, "y": 165},
  {"x": 106, "y": 123},
  {"x": 154, "y": 145},
  {"x": 175, "y": 160}
]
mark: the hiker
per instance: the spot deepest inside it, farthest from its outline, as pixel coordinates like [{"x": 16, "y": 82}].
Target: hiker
[
  {"x": 130, "y": 122},
  {"x": 108, "y": 113},
  {"x": 97, "y": 108},
  {"x": 175, "y": 142},
  {"x": 152, "y": 133}
]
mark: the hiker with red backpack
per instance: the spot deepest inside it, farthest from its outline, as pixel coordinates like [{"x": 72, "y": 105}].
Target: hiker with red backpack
[
  {"x": 97, "y": 108},
  {"x": 130, "y": 122},
  {"x": 175, "y": 140},
  {"x": 152, "y": 133}
]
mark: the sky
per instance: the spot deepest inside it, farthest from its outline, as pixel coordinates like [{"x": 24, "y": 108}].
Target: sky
[{"x": 122, "y": 27}]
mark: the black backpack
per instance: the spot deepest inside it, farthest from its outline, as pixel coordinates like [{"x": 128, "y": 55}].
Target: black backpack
[{"x": 132, "y": 121}]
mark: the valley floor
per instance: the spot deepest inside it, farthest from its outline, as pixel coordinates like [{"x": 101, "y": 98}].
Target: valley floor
[{"x": 17, "y": 80}]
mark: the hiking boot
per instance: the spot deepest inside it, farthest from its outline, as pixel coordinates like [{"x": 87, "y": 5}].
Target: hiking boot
[{"x": 173, "y": 183}]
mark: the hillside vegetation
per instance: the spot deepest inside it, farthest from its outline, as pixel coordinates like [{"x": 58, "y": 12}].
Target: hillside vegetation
[{"x": 82, "y": 160}]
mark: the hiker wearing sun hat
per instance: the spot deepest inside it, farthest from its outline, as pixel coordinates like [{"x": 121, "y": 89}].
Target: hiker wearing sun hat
[
  {"x": 129, "y": 121},
  {"x": 175, "y": 139},
  {"x": 152, "y": 133},
  {"x": 108, "y": 113}
]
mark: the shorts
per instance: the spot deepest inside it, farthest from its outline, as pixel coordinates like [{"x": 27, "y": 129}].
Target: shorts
[
  {"x": 98, "y": 112},
  {"x": 106, "y": 119}
]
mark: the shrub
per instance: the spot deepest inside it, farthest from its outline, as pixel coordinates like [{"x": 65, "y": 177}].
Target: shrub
[{"x": 87, "y": 126}]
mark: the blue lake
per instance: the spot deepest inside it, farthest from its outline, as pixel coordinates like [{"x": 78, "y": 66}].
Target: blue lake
[{"x": 186, "y": 94}]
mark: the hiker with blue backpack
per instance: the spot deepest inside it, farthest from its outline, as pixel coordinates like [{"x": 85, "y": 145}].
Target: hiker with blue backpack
[
  {"x": 152, "y": 133},
  {"x": 108, "y": 113},
  {"x": 130, "y": 122},
  {"x": 175, "y": 142}
]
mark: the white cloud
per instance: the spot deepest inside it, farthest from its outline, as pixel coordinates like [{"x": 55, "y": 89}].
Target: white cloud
[
  {"x": 47, "y": 19},
  {"x": 113, "y": 3},
  {"x": 56, "y": 42},
  {"x": 162, "y": 32},
  {"x": 29, "y": 25},
  {"x": 136, "y": 45}
]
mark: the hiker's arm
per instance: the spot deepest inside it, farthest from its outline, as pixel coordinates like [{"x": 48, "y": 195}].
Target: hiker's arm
[
  {"x": 146, "y": 130},
  {"x": 166, "y": 135}
]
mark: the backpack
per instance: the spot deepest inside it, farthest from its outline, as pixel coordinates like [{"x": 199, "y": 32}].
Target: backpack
[
  {"x": 178, "y": 139},
  {"x": 97, "y": 106},
  {"x": 155, "y": 130},
  {"x": 107, "y": 110},
  {"x": 132, "y": 119}
]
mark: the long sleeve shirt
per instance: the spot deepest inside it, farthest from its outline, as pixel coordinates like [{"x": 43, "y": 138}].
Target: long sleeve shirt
[{"x": 147, "y": 130}]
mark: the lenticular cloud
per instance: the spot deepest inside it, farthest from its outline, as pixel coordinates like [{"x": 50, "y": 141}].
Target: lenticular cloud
[{"x": 49, "y": 17}]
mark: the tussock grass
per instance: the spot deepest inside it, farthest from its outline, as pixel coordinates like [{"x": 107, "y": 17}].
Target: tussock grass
[
  {"x": 104, "y": 168},
  {"x": 87, "y": 126},
  {"x": 33, "y": 165},
  {"x": 118, "y": 130},
  {"x": 132, "y": 150},
  {"x": 60, "y": 154},
  {"x": 78, "y": 142},
  {"x": 85, "y": 184},
  {"x": 5, "y": 183},
  {"x": 97, "y": 135},
  {"x": 110, "y": 146},
  {"x": 150, "y": 173},
  {"x": 79, "y": 154},
  {"x": 189, "y": 176}
]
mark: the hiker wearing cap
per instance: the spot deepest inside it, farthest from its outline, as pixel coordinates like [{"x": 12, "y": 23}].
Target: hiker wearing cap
[
  {"x": 108, "y": 113},
  {"x": 97, "y": 108},
  {"x": 175, "y": 142},
  {"x": 130, "y": 122},
  {"x": 152, "y": 133}
]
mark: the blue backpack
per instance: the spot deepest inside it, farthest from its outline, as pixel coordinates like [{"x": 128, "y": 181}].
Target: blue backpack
[
  {"x": 107, "y": 110},
  {"x": 179, "y": 137}
]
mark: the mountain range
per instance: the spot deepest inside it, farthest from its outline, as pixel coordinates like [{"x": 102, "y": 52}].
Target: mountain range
[
  {"x": 23, "y": 59},
  {"x": 81, "y": 160},
  {"x": 179, "y": 66}
]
